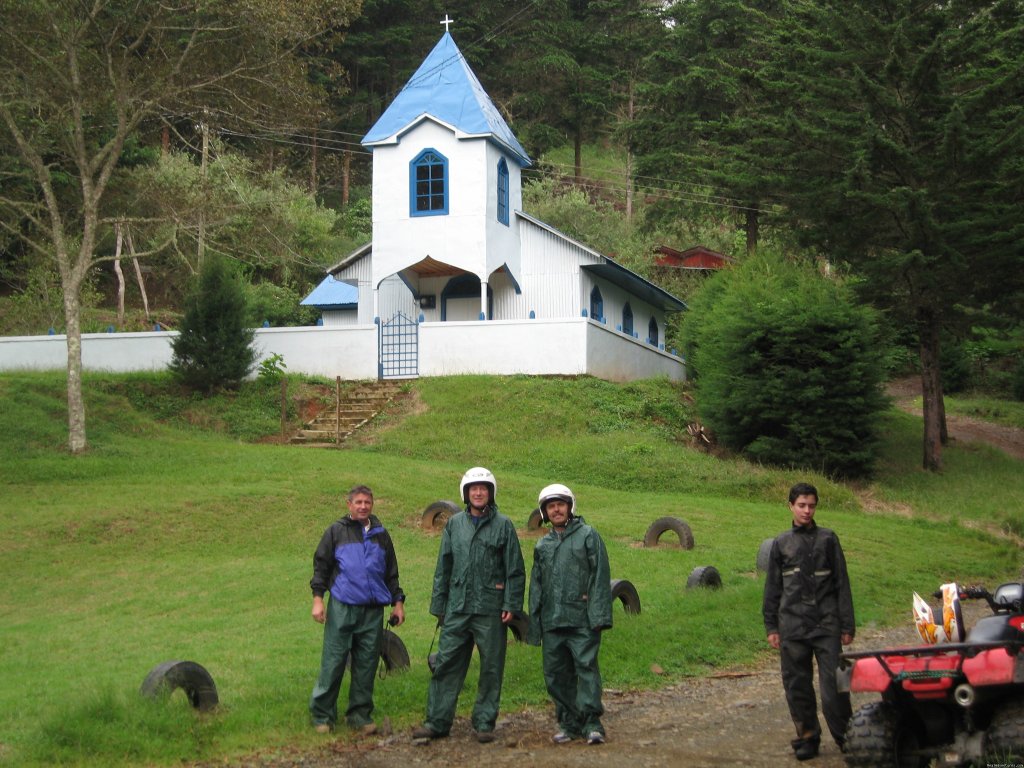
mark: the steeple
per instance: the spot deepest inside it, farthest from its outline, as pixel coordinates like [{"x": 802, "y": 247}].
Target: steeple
[{"x": 444, "y": 88}]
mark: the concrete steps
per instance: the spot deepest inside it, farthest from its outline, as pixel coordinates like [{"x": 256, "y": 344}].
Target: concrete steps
[{"x": 357, "y": 407}]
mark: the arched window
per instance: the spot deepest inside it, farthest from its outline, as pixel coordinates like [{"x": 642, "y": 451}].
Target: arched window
[
  {"x": 503, "y": 192},
  {"x": 596, "y": 304},
  {"x": 652, "y": 332},
  {"x": 627, "y": 320},
  {"x": 428, "y": 184}
]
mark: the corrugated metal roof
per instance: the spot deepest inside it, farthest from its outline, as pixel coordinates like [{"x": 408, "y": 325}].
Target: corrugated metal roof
[
  {"x": 445, "y": 88},
  {"x": 332, "y": 294}
]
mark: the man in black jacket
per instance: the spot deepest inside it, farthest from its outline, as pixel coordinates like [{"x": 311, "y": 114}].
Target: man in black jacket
[
  {"x": 356, "y": 563},
  {"x": 808, "y": 615}
]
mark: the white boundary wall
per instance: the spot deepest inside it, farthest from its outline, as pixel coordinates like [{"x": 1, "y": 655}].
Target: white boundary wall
[{"x": 570, "y": 347}]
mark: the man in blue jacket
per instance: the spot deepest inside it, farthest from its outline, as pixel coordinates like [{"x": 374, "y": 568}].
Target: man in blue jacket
[
  {"x": 479, "y": 583},
  {"x": 355, "y": 562},
  {"x": 570, "y": 605}
]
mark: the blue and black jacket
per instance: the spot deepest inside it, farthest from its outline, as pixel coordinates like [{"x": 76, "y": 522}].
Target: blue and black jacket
[{"x": 357, "y": 566}]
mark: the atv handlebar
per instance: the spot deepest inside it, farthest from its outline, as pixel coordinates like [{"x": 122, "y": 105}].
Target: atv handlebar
[{"x": 976, "y": 592}]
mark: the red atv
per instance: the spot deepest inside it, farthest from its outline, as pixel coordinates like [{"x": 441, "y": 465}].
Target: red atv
[{"x": 956, "y": 703}]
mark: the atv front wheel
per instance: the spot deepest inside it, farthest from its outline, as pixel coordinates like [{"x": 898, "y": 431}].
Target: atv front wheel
[
  {"x": 878, "y": 737},
  {"x": 1004, "y": 741}
]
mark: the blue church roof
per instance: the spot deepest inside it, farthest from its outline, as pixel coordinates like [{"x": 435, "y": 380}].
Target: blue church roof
[
  {"x": 332, "y": 294},
  {"x": 445, "y": 88}
]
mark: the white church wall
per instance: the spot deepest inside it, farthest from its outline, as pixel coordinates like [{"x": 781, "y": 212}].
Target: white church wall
[
  {"x": 503, "y": 347},
  {"x": 551, "y": 286},
  {"x": 349, "y": 352}
]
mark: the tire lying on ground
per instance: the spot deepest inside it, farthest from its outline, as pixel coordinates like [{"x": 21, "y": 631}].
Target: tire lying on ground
[
  {"x": 437, "y": 514},
  {"x": 663, "y": 524},
  {"x": 393, "y": 652},
  {"x": 535, "y": 521},
  {"x": 704, "y": 576},
  {"x": 764, "y": 554},
  {"x": 625, "y": 592},
  {"x": 190, "y": 677},
  {"x": 519, "y": 625}
]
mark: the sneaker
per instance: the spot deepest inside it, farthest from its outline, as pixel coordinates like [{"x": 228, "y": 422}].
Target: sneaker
[
  {"x": 322, "y": 727},
  {"x": 485, "y": 737},
  {"x": 561, "y": 738},
  {"x": 595, "y": 737},
  {"x": 368, "y": 730}
]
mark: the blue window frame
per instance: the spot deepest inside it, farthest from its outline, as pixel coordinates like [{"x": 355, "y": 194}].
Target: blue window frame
[
  {"x": 428, "y": 184},
  {"x": 627, "y": 319},
  {"x": 652, "y": 332},
  {"x": 503, "y": 192},
  {"x": 596, "y": 304}
]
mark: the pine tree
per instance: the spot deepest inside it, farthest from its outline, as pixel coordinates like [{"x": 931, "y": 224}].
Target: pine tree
[{"x": 214, "y": 347}]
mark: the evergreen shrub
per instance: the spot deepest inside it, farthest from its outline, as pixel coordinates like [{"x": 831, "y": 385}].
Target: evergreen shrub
[
  {"x": 214, "y": 347},
  {"x": 789, "y": 367}
]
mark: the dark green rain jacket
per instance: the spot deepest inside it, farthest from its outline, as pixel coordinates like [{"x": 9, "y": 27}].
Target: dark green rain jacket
[
  {"x": 480, "y": 567},
  {"x": 570, "y": 582}
]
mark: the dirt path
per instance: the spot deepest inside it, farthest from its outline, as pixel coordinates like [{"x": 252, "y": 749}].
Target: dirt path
[
  {"x": 735, "y": 718},
  {"x": 906, "y": 393}
]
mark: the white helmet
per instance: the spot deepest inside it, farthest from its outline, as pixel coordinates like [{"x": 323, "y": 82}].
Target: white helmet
[
  {"x": 478, "y": 475},
  {"x": 552, "y": 492}
]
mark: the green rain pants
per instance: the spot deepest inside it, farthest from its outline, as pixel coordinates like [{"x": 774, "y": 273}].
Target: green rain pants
[
  {"x": 350, "y": 630},
  {"x": 459, "y": 633},
  {"x": 573, "y": 678}
]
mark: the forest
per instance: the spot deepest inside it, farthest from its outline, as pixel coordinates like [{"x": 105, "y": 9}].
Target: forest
[{"x": 880, "y": 139}]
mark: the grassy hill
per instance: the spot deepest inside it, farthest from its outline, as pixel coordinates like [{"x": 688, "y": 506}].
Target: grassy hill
[{"x": 172, "y": 538}]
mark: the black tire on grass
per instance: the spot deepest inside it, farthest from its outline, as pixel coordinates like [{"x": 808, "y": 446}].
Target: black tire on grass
[
  {"x": 704, "y": 576},
  {"x": 625, "y": 592},
  {"x": 437, "y": 514},
  {"x": 764, "y": 555},
  {"x": 536, "y": 520},
  {"x": 664, "y": 524},
  {"x": 190, "y": 677}
]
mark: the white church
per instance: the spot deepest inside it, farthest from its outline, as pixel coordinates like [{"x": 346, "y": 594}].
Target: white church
[{"x": 457, "y": 278}]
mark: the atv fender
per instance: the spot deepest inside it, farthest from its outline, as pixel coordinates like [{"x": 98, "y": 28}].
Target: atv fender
[{"x": 994, "y": 667}]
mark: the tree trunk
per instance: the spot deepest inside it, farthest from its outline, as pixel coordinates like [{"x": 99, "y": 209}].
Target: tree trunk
[
  {"x": 931, "y": 390},
  {"x": 76, "y": 403},
  {"x": 120, "y": 277},
  {"x": 138, "y": 275}
]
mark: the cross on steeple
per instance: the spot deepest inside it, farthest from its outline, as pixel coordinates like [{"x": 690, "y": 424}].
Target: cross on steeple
[{"x": 446, "y": 21}]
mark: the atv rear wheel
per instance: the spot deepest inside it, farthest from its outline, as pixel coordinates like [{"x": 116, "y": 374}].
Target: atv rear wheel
[
  {"x": 1004, "y": 741},
  {"x": 878, "y": 737}
]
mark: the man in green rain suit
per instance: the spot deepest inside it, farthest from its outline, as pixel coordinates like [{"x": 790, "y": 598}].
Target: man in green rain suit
[
  {"x": 570, "y": 605},
  {"x": 479, "y": 583}
]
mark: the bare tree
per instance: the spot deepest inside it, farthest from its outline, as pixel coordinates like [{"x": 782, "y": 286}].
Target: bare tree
[{"x": 79, "y": 80}]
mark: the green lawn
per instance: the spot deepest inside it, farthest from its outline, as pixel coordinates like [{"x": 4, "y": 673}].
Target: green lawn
[{"x": 167, "y": 541}]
